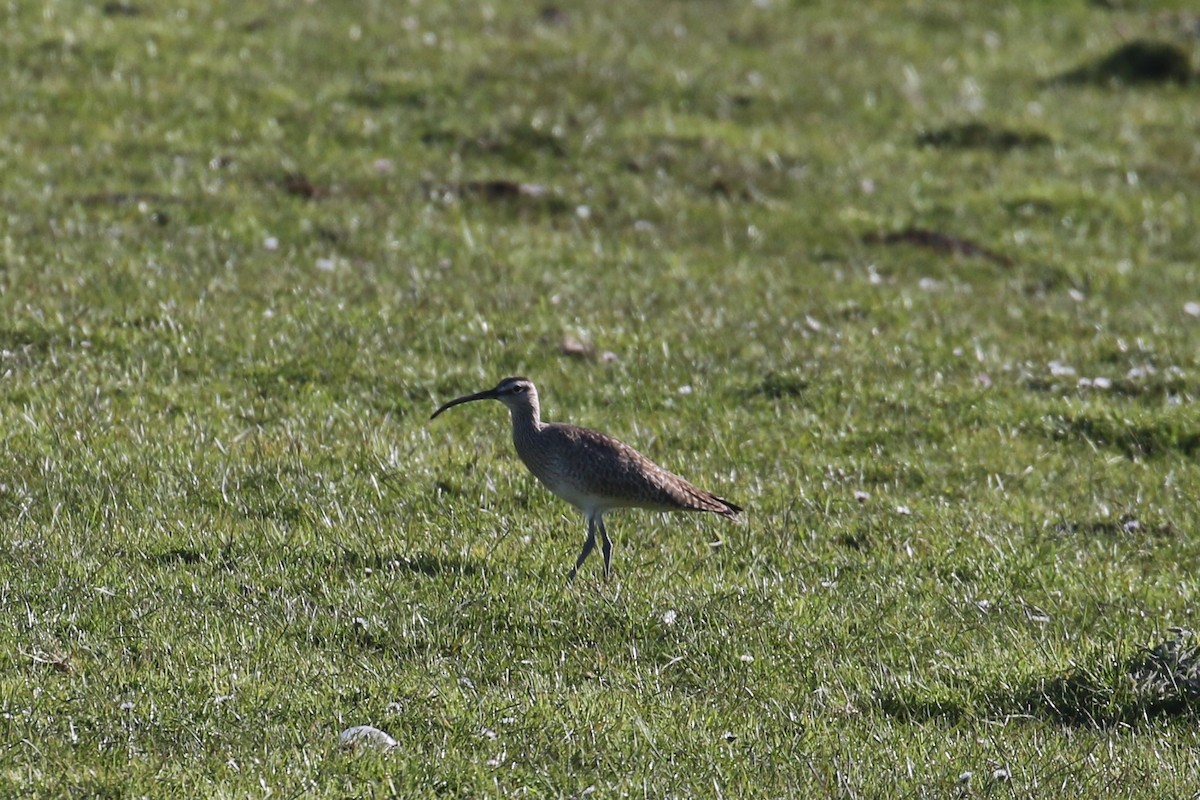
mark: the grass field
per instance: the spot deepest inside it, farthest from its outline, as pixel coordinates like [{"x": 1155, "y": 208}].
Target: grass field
[{"x": 917, "y": 284}]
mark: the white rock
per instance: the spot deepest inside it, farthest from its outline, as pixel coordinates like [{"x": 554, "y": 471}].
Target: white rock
[{"x": 366, "y": 736}]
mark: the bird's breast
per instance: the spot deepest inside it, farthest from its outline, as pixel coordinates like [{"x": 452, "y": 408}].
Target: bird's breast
[{"x": 557, "y": 464}]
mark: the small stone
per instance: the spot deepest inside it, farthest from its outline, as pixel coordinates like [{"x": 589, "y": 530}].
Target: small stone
[
  {"x": 1137, "y": 373},
  {"x": 366, "y": 737},
  {"x": 574, "y": 347}
]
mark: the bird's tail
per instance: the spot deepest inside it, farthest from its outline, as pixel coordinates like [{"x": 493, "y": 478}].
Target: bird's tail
[
  {"x": 707, "y": 501},
  {"x": 729, "y": 510}
]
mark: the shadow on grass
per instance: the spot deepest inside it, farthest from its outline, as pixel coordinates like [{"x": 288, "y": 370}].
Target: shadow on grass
[
  {"x": 938, "y": 242},
  {"x": 1140, "y": 62},
  {"x": 426, "y": 564},
  {"x": 1145, "y": 438},
  {"x": 514, "y": 196},
  {"x": 178, "y": 555},
  {"x": 1158, "y": 682},
  {"x": 28, "y": 338},
  {"x": 422, "y": 563},
  {"x": 1102, "y": 691},
  {"x": 980, "y": 136},
  {"x": 517, "y": 144},
  {"x": 776, "y": 386},
  {"x": 1128, "y": 525},
  {"x": 914, "y": 708}
]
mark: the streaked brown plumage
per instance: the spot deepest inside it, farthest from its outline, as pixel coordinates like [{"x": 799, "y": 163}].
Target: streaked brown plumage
[{"x": 591, "y": 471}]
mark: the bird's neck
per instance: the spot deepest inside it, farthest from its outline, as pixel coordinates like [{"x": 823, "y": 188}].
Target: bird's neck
[{"x": 526, "y": 421}]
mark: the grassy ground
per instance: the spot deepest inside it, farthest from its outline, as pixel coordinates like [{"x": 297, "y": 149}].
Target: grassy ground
[{"x": 926, "y": 310}]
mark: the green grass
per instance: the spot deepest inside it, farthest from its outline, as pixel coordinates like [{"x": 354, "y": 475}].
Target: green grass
[{"x": 248, "y": 250}]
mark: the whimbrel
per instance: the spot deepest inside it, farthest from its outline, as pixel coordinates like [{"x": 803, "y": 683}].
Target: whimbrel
[{"x": 591, "y": 471}]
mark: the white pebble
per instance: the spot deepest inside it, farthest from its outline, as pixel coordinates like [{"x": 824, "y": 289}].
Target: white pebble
[{"x": 366, "y": 736}]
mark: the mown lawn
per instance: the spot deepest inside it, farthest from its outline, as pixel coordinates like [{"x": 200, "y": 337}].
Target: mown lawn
[{"x": 916, "y": 284}]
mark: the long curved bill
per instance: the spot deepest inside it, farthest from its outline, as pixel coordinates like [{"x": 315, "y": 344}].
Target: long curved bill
[{"x": 490, "y": 394}]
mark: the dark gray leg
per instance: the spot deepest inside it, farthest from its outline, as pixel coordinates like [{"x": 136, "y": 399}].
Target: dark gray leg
[
  {"x": 605, "y": 546},
  {"x": 588, "y": 545}
]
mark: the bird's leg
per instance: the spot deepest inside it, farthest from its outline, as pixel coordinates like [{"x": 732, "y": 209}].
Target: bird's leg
[
  {"x": 605, "y": 546},
  {"x": 588, "y": 545}
]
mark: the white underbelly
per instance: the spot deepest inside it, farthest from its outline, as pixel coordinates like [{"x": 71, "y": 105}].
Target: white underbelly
[{"x": 585, "y": 501}]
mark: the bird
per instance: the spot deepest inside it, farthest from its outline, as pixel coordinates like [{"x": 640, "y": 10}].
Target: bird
[{"x": 590, "y": 470}]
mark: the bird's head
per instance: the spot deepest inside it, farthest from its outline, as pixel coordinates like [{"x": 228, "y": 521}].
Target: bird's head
[{"x": 518, "y": 393}]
